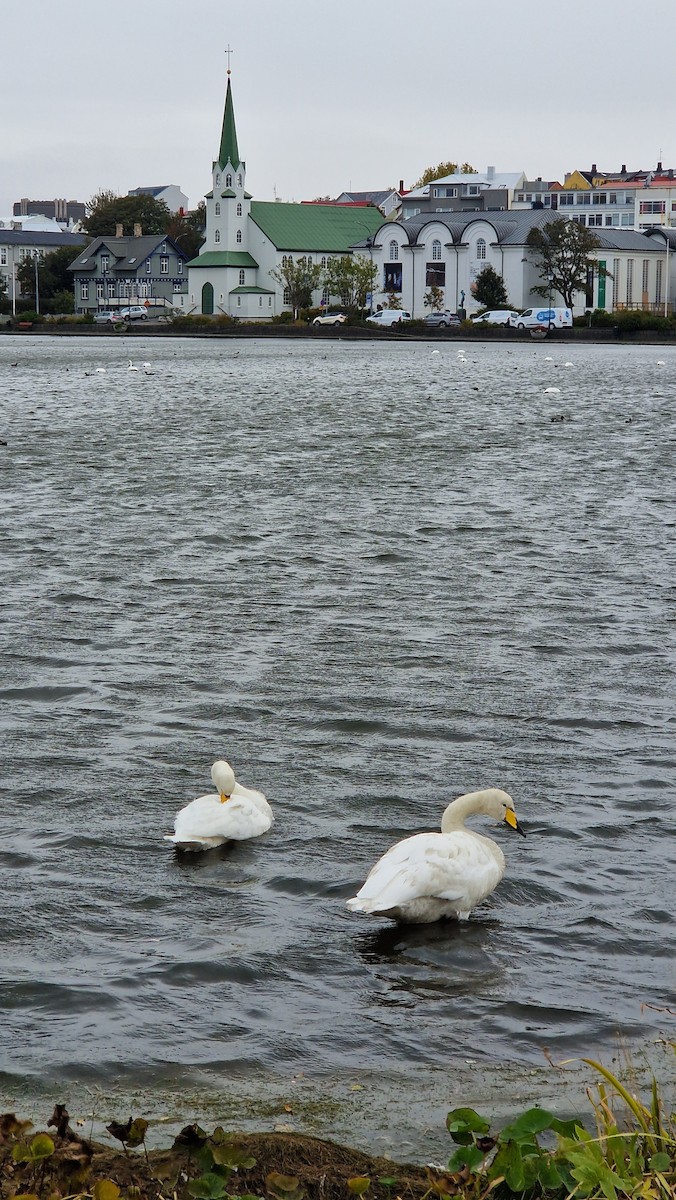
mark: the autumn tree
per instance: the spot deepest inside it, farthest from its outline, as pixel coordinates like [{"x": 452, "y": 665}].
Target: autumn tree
[
  {"x": 187, "y": 229},
  {"x": 489, "y": 289},
  {"x": 442, "y": 170},
  {"x": 434, "y": 298},
  {"x": 105, "y": 210},
  {"x": 351, "y": 278},
  {"x": 299, "y": 280},
  {"x": 563, "y": 252}
]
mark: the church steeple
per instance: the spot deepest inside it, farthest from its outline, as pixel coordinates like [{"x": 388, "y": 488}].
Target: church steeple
[{"x": 228, "y": 151}]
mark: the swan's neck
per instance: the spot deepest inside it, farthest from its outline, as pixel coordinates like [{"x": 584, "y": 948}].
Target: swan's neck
[{"x": 459, "y": 810}]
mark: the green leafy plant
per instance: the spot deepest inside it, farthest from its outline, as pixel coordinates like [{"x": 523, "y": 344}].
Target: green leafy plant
[{"x": 219, "y": 1157}]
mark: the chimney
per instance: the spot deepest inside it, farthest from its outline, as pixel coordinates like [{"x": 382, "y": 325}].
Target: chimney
[
  {"x": 119, "y": 230},
  {"x": 490, "y": 171},
  {"x": 593, "y": 169},
  {"x": 401, "y": 185},
  {"x": 138, "y": 232},
  {"x": 659, "y": 168},
  {"x": 624, "y": 169}
]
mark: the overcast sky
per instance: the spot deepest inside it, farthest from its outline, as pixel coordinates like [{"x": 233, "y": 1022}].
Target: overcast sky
[{"x": 329, "y": 94}]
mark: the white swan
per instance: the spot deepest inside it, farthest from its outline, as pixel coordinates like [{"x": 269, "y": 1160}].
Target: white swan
[
  {"x": 131, "y": 366},
  {"x": 434, "y": 875},
  {"x": 234, "y": 814}
]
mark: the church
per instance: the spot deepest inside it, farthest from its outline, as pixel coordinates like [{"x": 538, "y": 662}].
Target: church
[{"x": 246, "y": 239}]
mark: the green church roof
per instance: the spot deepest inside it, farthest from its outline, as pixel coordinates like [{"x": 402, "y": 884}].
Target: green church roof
[
  {"x": 224, "y": 258},
  {"x": 228, "y": 151},
  {"x": 322, "y": 228}
]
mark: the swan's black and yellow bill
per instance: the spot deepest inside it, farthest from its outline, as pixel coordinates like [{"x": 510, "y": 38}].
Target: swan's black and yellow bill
[
  {"x": 224, "y": 797},
  {"x": 510, "y": 818}
]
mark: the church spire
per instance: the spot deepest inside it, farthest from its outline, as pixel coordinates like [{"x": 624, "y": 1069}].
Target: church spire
[{"x": 228, "y": 151}]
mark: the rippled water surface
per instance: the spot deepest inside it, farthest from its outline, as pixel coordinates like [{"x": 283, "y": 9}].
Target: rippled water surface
[{"x": 373, "y": 577}]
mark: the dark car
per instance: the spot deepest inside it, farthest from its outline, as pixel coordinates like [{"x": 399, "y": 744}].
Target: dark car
[{"x": 435, "y": 319}]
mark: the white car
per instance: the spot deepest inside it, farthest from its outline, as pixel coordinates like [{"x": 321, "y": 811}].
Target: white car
[
  {"x": 330, "y": 319},
  {"x": 107, "y": 318},
  {"x": 386, "y": 317},
  {"x": 496, "y": 316},
  {"x": 135, "y": 313}
]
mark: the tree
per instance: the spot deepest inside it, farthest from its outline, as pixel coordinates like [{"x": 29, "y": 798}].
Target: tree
[
  {"x": 564, "y": 257},
  {"x": 490, "y": 290},
  {"x": 55, "y": 281},
  {"x": 299, "y": 279},
  {"x": 441, "y": 170},
  {"x": 4, "y": 299},
  {"x": 351, "y": 279},
  {"x": 434, "y": 298},
  {"x": 187, "y": 229},
  {"x": 105, "y": 210}
]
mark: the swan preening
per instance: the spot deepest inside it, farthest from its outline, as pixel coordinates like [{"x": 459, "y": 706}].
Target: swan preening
[
  {"x": 234, "y": 814},
  {"x": 434, "y": 875}
]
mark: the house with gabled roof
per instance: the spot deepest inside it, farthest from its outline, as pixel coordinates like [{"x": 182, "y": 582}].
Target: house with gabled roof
[
  {"x": 115, "y": 271},
  {"x": 246, "y": 240}
]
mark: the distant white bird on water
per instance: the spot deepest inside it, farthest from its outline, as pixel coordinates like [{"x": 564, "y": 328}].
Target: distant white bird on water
[
  {"x": 131, "y": 366},
  {"x": 434, "y": 875},
  {"x": 234, "y": 814},
  {"x": 100, "y": 370},
  {"x": 661, "y": 362},
  {"x": 552, "y": 391}
]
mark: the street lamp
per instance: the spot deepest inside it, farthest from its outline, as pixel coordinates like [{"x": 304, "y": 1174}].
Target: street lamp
[
  {"x": 36, "y": 254},
  {"x": 550, "y": 279}
]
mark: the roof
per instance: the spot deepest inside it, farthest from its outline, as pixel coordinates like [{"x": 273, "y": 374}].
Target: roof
[
  {"x": 228, "y": 151},
  {"x": 148, "y": 191},
  {"x": 512, "y": 227},
  {"x": 319, "y": 228},
  {"x": 29, "y": 237},
  {"x": 127, "y": 252},
  {"x": 224, "y": 258},
  {"x": 243, "y": 290},
  {"x": 369, "y": 197},
  {"x": 499, "y": 179}
]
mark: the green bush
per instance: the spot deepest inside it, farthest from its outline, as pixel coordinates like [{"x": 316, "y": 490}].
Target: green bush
[{"x": 30, "y": 317}]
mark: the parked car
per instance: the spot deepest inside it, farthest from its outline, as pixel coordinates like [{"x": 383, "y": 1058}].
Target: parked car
[
  {"x": 136, "y": 312},
  {"x": 538, "y": 318},
  {"x": 496, "y": 316},
  {"x": 330, "y": 319},
  {"x": 107, "y": 318},
  {"x": 385, "y": 317},
  {"x": 435, "y": 319}
]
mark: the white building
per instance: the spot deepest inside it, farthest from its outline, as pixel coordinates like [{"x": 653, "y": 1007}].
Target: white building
[
  {"x": 449, "y": 250},
  {"x": 169, "y": 193}
]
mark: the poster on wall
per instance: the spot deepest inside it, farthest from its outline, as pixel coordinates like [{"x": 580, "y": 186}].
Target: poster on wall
[{"x": 392, "y": 277}]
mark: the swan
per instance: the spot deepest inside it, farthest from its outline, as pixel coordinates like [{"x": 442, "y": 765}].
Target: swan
[
  {"x": 434, "y": 875},
  {"x": 131, "y": 366},
  {"x": 552, "y": 391},
  {"x": 233, "y": 814}
]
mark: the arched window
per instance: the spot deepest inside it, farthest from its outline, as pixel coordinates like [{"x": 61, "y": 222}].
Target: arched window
[
  {"x": 324, "y": 264},
  {"x": 218, "y": 180},
  {"x": 481, "y": 247},
  {"x": 217, "y": 235},
  {"x": 228, "y": 181},
  {"x": 239, "y": 181},
  {"x": 217, "y": 209},
  {"x": 436, "y": 249},
  {"x": 242, "y": 277},
  {"x": 239, "y": 210},
  {"x": 239, "y": 235},
  {"x": 394, "y": 250}
]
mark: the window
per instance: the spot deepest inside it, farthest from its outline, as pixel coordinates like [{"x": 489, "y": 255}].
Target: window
[
  {"x": 228, "y": 181},
  {"x": 566, "y": 198},
  {"x": 239, "y": 181},
  {"x": 178, "y": 287},
  {"x": 239, "y": 301},
  {"x": 217, "y": 209},
  {"x": 630, "y": 280},
  {"x": 658, "y": 281},
  {"x": 612, "y": 197},
  {"x": 217, "y": 235},
  {"x": 651, "y": 206},
  {"x": 269, "y": 301},
  {"x": 164, "y": 266},
  {"x": 644, "y": 277},
  {"x": 239, "y": 237},
  {"x": 324, "y": 260},
  {"x": 392, "y": 277},
  {"x": 105, "y": 263},
  {"x": 325, "y": 297},
  {"x": 3, "y": 256},
  {"x": 616, "y": 282},
  {"x": 585, "y": 198},
  {"x": 179, "y": 267},
  {"x": 163, "y": 248},
  {"x": 242, "y": 277},
  {"x": 627, "y": 219},
  {"x": 600, "y": 198},
  {"x": 436, "y": 249},
  {"x": 239, "y": 210},
  {"x": 473, "y": 190},
  {"x": 218, "y": 178},
  {"x": 286, "y": 298},
  {"x": 144, "y": 290},
  {"x": 84, "y": 290},
  {"x": 111, "y": 291},
  {"x": 149, "y": 267},
  {"x": 394, "y": 250},
  {"x": 596, "y": 218},
  {"x": 481, "y": 248},
  {"x": 99, "y": 291}
]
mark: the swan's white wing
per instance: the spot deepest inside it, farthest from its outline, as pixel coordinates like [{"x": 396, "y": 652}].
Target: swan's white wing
[
  {"x": 208, "y": 818},
  {"x": 456, "y": 866}
]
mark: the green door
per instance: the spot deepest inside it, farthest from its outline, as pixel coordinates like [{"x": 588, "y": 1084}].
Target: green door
[{"x": 208, "y": 299}]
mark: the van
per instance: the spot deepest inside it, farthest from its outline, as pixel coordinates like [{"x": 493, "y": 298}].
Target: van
[{"x": 544, "y": 318}]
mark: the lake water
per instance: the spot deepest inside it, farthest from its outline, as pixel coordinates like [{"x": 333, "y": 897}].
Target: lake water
[{"x": 372, "y": 577}]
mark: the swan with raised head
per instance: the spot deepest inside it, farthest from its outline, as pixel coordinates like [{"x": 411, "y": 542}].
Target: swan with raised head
[
  {"x": 234, "y": 814},
  {"x": 434, "y": 875}
]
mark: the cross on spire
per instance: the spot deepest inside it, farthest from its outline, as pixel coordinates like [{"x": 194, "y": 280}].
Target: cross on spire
[{"x": 228, "y": 52}]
